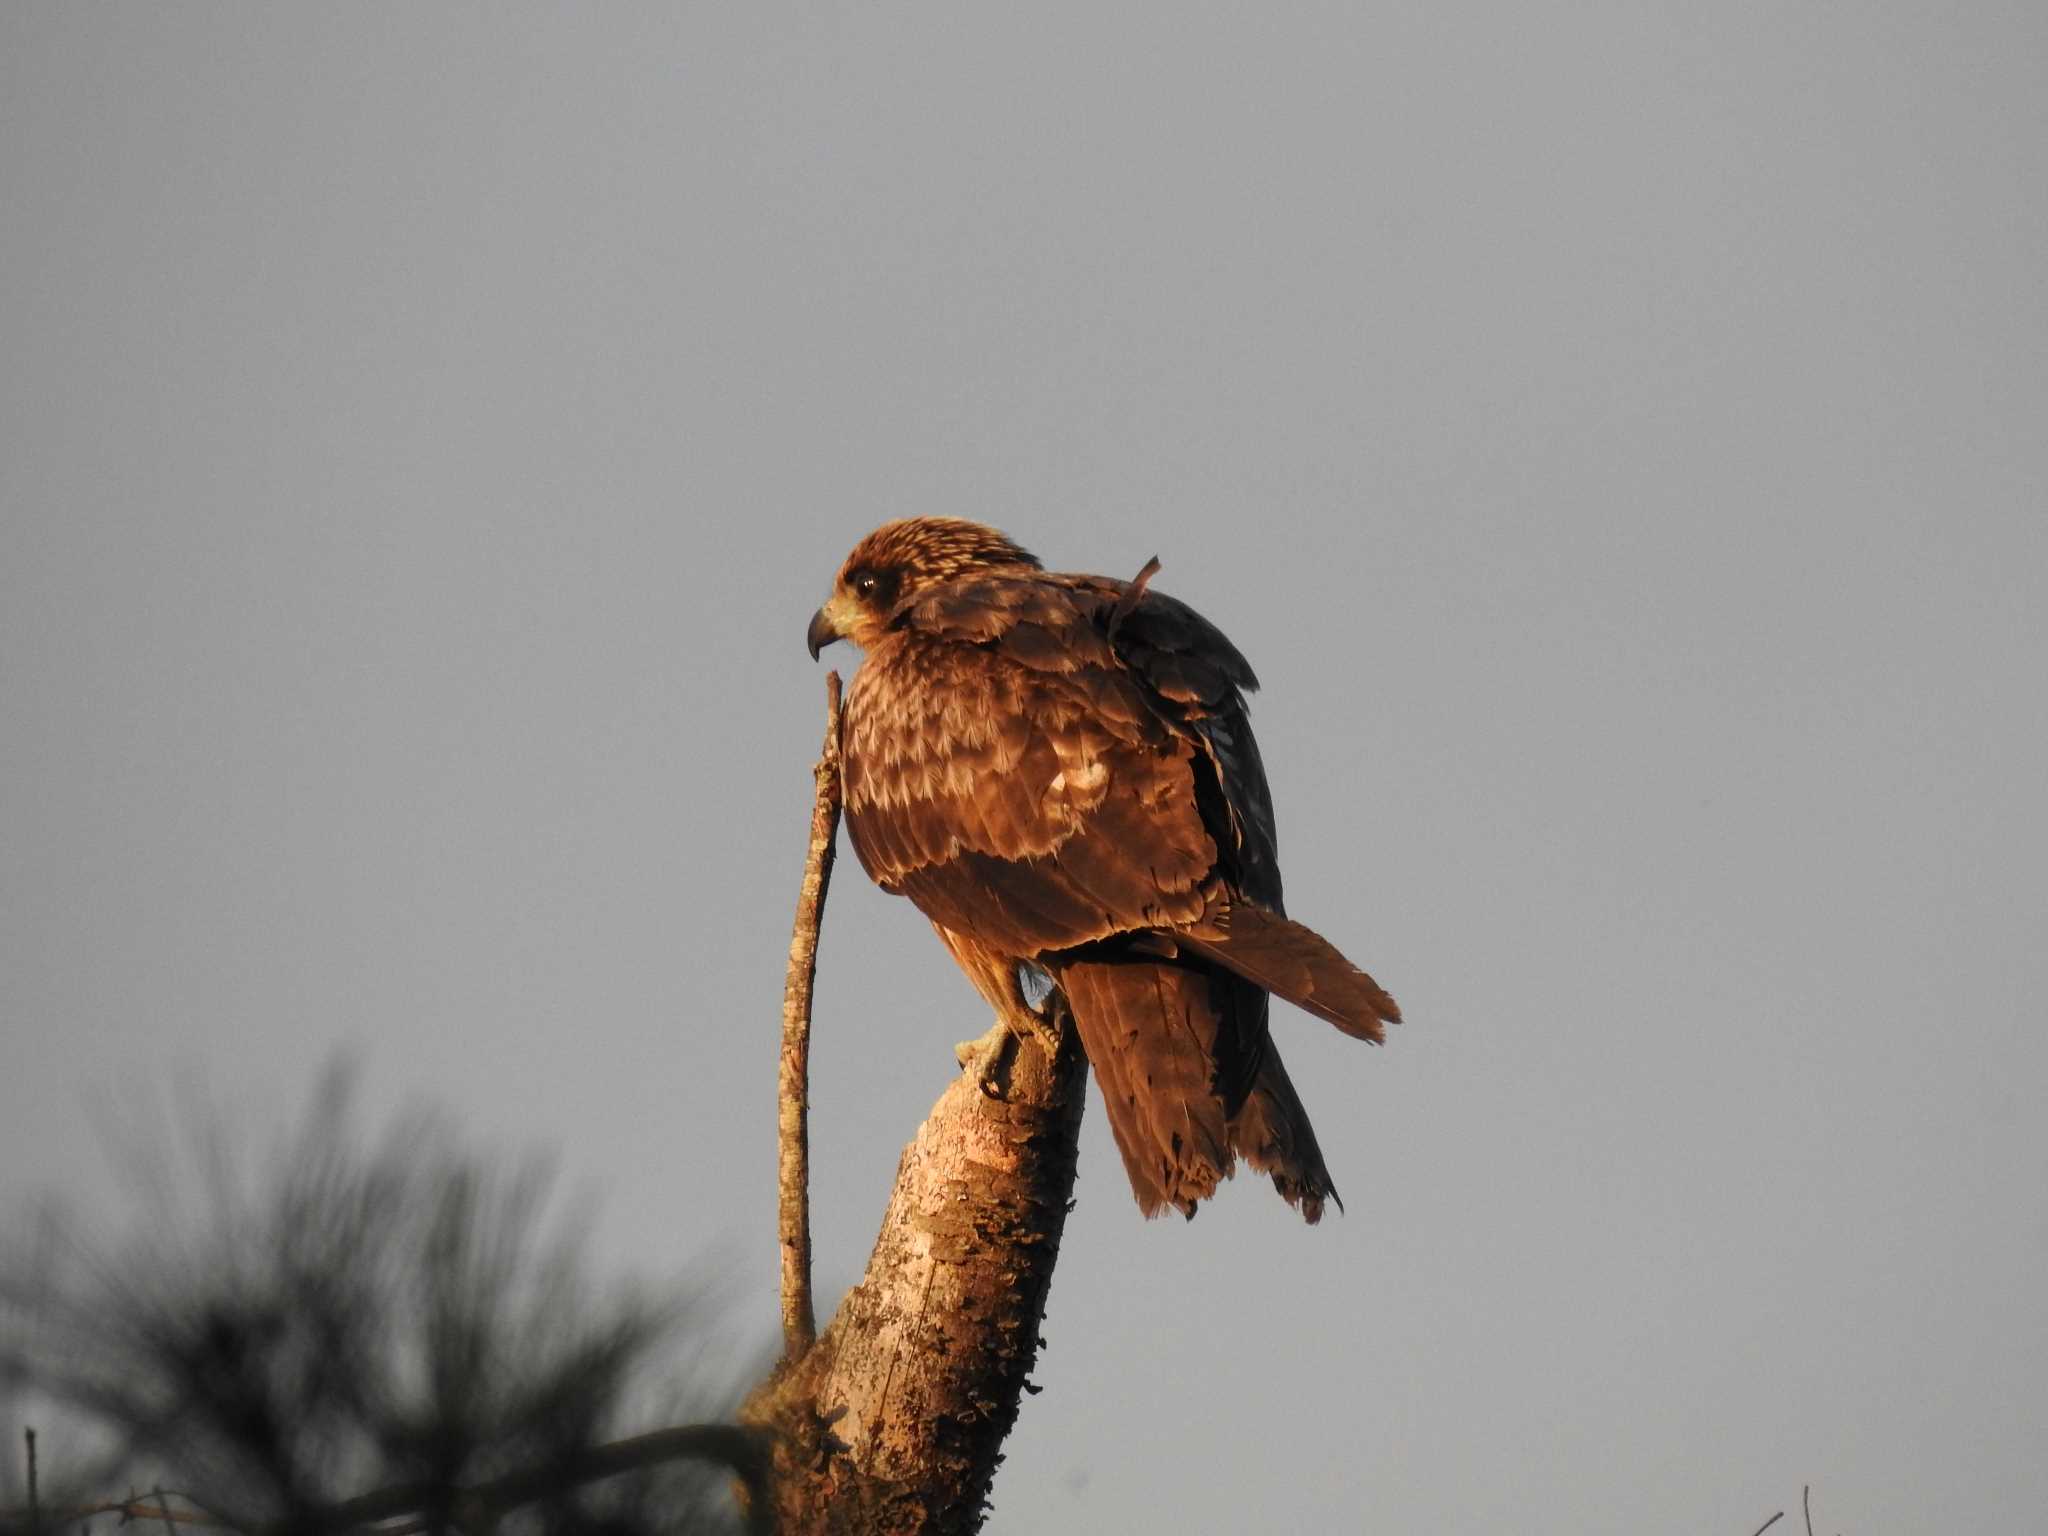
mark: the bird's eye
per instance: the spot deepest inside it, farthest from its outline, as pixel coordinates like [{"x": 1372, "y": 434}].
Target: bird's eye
[{"x": 867, "y": 583}]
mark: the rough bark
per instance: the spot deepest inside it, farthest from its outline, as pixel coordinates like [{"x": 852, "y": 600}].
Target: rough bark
[{"x": 893, "y": 1421}]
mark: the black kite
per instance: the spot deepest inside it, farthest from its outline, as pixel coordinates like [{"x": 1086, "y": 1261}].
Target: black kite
[{"x": 1059, "y": 771}]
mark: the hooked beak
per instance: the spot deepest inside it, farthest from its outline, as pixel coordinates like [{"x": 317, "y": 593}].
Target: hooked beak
[{"x": 821, "y": 633}]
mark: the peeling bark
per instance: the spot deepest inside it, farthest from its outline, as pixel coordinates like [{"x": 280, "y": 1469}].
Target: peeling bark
[{"x": 893, "y": 1422}]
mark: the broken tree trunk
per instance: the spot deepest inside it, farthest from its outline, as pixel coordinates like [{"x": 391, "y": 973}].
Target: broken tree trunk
[{"x": 894, "y": 1420}]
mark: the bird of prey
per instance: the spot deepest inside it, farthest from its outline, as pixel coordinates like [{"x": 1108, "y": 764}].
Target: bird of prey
[{"x": 1059, "y": 771}]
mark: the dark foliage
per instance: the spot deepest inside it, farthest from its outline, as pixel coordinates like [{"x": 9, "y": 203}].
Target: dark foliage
[{"x": 401, "y": 1317}]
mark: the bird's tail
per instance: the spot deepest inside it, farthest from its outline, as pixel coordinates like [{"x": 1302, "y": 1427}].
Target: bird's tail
[
  {"x": 1190, "y": 1080},
  {"x": 1150, "y": 1029},
  {"x": 1294, "y": 962},
  {"x": 1271, "y": 1132}
]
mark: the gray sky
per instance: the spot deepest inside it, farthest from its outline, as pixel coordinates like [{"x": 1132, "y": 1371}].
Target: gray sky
[{"x": 1615, "y": 432}]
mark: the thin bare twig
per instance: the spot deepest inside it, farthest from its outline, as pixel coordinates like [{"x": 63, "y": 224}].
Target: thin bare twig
[
  {"x": 1806, "y": 1499},
  {"x": 35, "y": 1511},
  {"x": 1769, "y": 1523},
  {"x": 793, "y": 1166}
]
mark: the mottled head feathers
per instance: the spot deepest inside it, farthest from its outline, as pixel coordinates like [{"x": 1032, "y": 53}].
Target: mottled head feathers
[{"x": 901, "y": 560}]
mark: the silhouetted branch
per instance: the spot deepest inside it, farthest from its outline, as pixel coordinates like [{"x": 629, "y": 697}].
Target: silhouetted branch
[
  {"x": 1769, "y": 1523},
  {"x": 163, "y": 1510},
  {"x": 134, "y": 1509},
  {"x": 741, "y": 1451},
  {"x": 793, "y": 1168}
]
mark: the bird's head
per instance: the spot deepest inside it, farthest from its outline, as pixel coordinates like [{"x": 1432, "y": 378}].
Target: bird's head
[{"x": 897, "y": 564}]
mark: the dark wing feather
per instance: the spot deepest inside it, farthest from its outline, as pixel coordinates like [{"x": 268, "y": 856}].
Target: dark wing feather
[{"x": 1198, "y": 680}]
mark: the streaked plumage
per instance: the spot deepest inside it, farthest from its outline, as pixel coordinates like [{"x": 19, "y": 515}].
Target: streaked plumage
[{"x": 1059, "y": 770}]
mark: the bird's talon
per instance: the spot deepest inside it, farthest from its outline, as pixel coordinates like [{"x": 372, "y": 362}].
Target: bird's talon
[{"x": 987, "y": 1059}]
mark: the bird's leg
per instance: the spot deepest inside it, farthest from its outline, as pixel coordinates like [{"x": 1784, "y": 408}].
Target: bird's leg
[
  {"x": 1039, "y": 1012},
  {"x": 989, "y": 1058},
  {"x": 1022, "y": 995}
]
